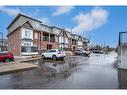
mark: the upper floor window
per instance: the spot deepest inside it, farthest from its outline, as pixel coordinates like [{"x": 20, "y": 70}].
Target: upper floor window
[{"x": 27, "y": 33}]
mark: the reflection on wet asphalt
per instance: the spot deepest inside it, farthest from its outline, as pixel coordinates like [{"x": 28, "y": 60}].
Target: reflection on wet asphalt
[{"x": 96, "y": 71}]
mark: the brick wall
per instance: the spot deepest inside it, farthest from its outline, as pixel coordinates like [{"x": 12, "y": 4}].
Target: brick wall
[
  {"x": 36, "y": 41},
  {"x": 43, "y": 43},
  {"x": 14, "y": 42}
]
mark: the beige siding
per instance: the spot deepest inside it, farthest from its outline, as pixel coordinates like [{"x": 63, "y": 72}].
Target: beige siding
[
  {"x": 20, "y": 21},
  {"x": 56, "y": 31}
]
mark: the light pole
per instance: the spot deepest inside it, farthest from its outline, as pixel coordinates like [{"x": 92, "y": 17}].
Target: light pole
[
  {"x": 71, "y": 38},
  {"x": 71, "y": 29}
]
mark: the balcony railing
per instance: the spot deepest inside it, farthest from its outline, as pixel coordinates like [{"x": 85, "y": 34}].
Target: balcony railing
[
  {"x": 52, "y": 40},
  {"x": 123, "y": 38},
  {"x": 74, "y": 42},
  {"x": 45, "y": 38}
]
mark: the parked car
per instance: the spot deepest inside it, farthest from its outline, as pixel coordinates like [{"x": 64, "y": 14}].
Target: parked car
[
  {"x": 68, "y": 52},
  {"x": 98, "y": 51},
  {"x": 54, "y": 54},
  {"x": 82, "y": 52},
  {"x": 6, "y": 57}
]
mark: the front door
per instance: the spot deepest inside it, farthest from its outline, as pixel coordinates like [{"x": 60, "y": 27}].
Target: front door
[
  {"x": 49, "y": 46},
  {"x": 74, "y": 48}
]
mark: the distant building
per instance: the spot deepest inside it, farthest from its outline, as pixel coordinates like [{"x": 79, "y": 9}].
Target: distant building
[
  {"x": 3, "y": 44},
  {"x": 65, "y": 40},
  {"x": 27, "y": 36}
]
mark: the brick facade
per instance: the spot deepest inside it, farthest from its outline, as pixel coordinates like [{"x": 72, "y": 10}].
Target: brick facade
[
  {"x": 41, "y": 37},
  {"x": 42, "y": 45},
  {"x": 14, "y": 42}
]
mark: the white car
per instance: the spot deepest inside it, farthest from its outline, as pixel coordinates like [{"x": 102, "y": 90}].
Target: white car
[{"x": 54, "y": 54}]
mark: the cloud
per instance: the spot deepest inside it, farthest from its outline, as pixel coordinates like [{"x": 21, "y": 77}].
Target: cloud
[
  {"x": 15, "y": 11},
  {"x": 44, "y": 20},
  {"x": 62, "y": 10},
  {"x": 89, "y": 21},
  {"x": 33, "y": 13},
  {"x": 9, "y": 11}
]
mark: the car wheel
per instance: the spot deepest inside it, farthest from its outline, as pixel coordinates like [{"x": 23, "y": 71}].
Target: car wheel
[
  {"x": 43, "y": 57},
  {"x": 7, "y": 60},
  {"x": 54, "y": 57}
]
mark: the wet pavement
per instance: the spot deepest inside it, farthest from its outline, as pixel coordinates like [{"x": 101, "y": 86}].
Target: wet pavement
[{"x": 75, "y": 72}]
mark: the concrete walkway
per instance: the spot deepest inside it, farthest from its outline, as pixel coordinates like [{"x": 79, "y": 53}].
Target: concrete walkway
[
  {"x": 29, "y": 59},
  {"x": 11, "y": 67}
]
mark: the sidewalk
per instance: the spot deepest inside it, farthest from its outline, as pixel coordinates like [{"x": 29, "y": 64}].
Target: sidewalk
[
  {"x": 12, "y": 67},
  {"x": 22, "y": 57}
]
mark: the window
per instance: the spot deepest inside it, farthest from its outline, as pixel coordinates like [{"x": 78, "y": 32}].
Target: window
[
  {"x": 52, "y": 51},
  {"x": 27, "y": 44},
  {"x": 36, "y": 35},
  {"x": 29, "y": 49},
  {"x": 27, "y": 33}
]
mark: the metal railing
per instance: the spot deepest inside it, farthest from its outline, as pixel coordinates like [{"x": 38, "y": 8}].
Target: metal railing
[{"x": 123, "y": 39}]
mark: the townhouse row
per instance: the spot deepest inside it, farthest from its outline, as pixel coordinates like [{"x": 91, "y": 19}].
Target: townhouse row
[{"x": 27, "y": 35}]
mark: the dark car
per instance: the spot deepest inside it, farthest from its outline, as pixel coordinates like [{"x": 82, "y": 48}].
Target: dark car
[
  {"x": 81, "y": 52},
  {"x": 6, "y": 57}
]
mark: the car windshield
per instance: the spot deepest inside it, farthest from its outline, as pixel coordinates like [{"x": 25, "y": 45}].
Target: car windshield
[{"x": 48, "y": 51}]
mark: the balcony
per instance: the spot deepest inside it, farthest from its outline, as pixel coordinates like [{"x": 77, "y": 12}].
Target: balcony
[
  {"x": 52, "y": 38},
  {"x": 47, "y": 37},
  {"x": 74, "y": 42}
]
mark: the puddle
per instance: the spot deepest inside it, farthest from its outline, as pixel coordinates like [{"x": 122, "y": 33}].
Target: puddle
[
  {"x": 60, "y": 69},
  {"x": 73, "y": 72}
]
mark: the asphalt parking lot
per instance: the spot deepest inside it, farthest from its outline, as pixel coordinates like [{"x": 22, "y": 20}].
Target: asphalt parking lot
[{"x": 75, "y": 72}]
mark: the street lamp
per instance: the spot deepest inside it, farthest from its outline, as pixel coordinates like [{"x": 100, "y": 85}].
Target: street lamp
[
  {"x": 71, "y": 38},
  {"x": 71, "y": 29},
  {"x": 62, "y": 39}
]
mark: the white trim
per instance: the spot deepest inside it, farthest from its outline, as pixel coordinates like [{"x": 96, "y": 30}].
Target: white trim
[
  {"x": 29, "y": 31},
  {"x": 27, "y": 53},
  {"x": 36, "y": 35}
]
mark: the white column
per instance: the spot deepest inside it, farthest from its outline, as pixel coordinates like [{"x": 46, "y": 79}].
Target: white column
[{"x": 49, "y": 37}]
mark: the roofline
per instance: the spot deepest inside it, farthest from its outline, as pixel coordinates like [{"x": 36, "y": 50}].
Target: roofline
[
  {"x": 56, "y": 27},
  {"x": 18, "y": 17},
  {"x": 67, "y": 31},
  {"x": 46, "y": 25}
]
